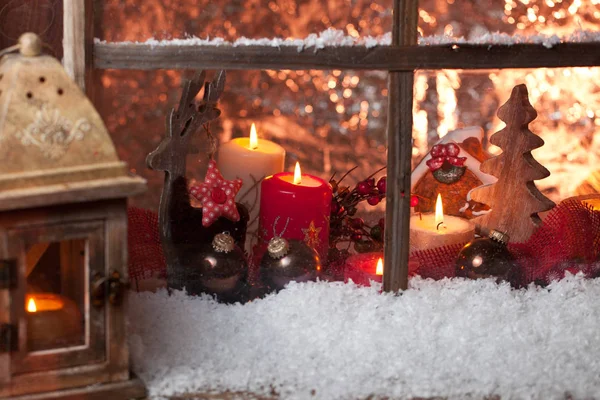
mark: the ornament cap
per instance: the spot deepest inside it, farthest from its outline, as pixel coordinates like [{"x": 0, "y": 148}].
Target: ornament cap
[
  {"x": 499, "y": 237},
  {"x": 278, "y": 247},
  {"x": 223, "y": 242}
]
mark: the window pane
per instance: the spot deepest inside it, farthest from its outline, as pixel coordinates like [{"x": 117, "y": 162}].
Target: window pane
[
  {"x": 142, "y": 20},
  {"x": 473, "y": 19},
  {"x": 455, "y": 117},
  {"x": 566, "y": 101},
  {"x": 328, "y": 120},
  {"x": 331, "y": 122}
]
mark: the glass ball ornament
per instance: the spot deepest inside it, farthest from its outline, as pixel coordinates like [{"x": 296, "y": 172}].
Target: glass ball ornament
[
  {"x": 486, "y": 257},
  {"x": 288, "y": 260},
  {"x": 218, "y": 268}
]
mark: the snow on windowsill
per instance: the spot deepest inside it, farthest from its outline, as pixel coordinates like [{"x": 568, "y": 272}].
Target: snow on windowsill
[
  {"x": 450, "y": 338},
  {"x": 337, "y": 38}
]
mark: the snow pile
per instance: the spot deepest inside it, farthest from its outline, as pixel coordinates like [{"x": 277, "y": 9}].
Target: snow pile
[
  {"x": 449, "y": 338},
  {"x": 328, "y": 37},
  {"x": 337, "y": 38},
  {"x": 502, "y": 39}
]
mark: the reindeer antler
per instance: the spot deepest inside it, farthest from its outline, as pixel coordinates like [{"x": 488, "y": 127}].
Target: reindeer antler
[
  {"x": 186, "y": 112},
  {"x": 170, "y": 154}
]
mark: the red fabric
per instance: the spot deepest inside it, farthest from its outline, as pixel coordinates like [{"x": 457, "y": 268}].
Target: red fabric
[
  {"x": 568, "y": 240},
  {"x": 146, "y": 258}
]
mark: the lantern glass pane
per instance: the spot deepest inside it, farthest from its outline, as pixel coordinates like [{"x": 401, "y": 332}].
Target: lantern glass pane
[{"x": 55, "y": 299}]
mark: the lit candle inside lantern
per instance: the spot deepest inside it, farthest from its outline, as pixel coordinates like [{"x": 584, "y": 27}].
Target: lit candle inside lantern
[
  {"x": 364, "y": 268},
  {"x": 250, "y": 159},
  {"x": 31, "y": 306},
  {"x": 53, "y": 321},
  {"x": 428, "y": 231},
  {"x": 301, "y": 204}
]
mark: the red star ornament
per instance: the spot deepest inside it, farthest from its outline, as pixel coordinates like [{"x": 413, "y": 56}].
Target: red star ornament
[
  {"x": 311, "y": 235},
  {"x": 217, "y": 196}
]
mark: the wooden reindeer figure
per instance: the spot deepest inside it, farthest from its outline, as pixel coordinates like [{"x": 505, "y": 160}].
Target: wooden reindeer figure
[{"x": 180, "y": 224}]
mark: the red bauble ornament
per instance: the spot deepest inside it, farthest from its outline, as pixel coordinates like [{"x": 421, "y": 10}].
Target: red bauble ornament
[{"x": 217, "y": 196}]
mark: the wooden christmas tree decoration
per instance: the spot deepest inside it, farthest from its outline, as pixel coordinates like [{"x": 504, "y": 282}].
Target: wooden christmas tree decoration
[{"x": 514, "y": 199}]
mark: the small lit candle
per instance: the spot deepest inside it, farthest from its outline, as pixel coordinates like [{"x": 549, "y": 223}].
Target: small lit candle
[
  {"x": 428, "y": 231},
  {"x": 301, "y": 204},
  {"x": 250, "y": 159},
  {"x": 53, "y": 321},
  {"x": 364, "y": 268}
]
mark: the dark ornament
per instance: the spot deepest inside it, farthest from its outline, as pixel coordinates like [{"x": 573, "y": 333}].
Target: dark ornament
[
  {"x": 366, "y": 246},
  {"x": 218, "y": 269},
  {"x": 449, "y": 173},
  {"x": 487, "y": 257},
  {"x": 376, "y": 233},
  {"x": 288, "y": 260}
]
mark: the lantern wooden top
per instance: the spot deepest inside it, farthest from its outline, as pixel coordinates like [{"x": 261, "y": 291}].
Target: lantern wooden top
[{"x": 54, "y": 147}]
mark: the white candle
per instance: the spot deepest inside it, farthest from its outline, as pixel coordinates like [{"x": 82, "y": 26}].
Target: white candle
[
  {"x": 428, "y": 231},
  {"x": 250, "y": 159}
]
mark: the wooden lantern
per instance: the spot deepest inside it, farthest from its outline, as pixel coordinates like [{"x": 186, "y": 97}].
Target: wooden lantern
[{"x": 63, "y": 239}]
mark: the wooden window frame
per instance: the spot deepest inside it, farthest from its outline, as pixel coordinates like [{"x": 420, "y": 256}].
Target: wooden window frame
[{"x": 400, "y": 59}]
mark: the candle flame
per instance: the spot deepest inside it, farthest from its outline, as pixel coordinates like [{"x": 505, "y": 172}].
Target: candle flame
[
  {"x": 297, "y": 174},
  {"x": 31, "y": 307},
  {"x": 379, "y": 270},
  {"x": 253, "y": 138},
  {"x": 439, "y": 211}
]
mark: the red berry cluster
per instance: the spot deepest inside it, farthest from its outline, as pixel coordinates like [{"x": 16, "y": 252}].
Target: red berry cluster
[
  {"x": 373, "y": 193},
  {"x": 344, "y": 226}
]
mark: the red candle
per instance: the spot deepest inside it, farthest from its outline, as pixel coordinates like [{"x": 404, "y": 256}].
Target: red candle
[
  {"x": 363, "y": 268},
  {"x": 296, "y": 206}
]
